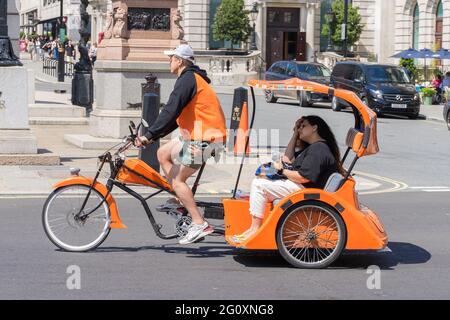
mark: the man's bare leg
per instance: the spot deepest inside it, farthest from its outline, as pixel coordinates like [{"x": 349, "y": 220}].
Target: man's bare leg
[
  {"x": 184, "y": 193},
  {"x": 166, "y": 154}
]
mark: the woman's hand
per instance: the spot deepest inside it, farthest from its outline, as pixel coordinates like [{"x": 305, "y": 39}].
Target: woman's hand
[
  {"x": 278, "y": 165},
  {"x": 286, "y": 159}
]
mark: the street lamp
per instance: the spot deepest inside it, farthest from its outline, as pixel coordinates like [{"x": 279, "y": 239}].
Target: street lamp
[
  {"x": 344, "y": 29},
  {"x": 254, "y": 16},
  {"x": 330, "y": 16},
  {"x": 62, "y": 36}
]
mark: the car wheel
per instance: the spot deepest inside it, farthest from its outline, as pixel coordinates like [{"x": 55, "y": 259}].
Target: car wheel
[
  {"x": 270, "y": 97},
  {"x": 335, "y": 104},
  {"x": 304, "y": 99},
  {"x": 413, "y": 116}
]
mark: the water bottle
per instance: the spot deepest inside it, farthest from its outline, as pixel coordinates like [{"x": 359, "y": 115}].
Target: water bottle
[{"x": 276, "y": 155}]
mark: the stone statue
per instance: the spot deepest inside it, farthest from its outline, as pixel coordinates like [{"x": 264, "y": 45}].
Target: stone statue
[
  {"x": 7, "y": 56},
  {"x": 84, "y": 30},
  {"x": 177, "y": 30},
  {"x": 120, "y": 29},
  {"x": 85, "y": 64},
  {"x": 109, "y": 25}
]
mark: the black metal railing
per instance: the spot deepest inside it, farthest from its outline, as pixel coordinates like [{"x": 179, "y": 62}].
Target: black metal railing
[{"x": 50, "y": 67}]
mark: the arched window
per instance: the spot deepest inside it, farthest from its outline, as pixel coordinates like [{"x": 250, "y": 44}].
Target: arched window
[
  {"x": 439, "y": 23},
  {"x": 416, "y": 20}
]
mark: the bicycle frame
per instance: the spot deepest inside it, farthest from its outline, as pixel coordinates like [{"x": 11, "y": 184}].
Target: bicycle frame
[{"x": 116, "y": 165}]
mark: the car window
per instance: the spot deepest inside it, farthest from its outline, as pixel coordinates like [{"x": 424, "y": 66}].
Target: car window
[
  {"x": 276, "y": 68},
  {"x": 325, "y": 71},
  {"x": 283, "y": 66},
  {"x": 344, "y": 71},
  {"x": 349, "y": 72},
  {"x": 387, "y": 74},
  {"x": 291, "y": 70},
  {"x": 302, "y": 67},
  {"x": 314, "y": 71},
  {"x": 359, "y": 75}
]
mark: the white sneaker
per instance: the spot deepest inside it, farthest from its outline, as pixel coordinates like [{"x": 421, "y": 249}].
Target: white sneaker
[{"x": 195, "y": 232}]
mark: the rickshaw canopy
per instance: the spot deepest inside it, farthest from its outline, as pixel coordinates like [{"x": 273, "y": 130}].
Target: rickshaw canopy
[{"x": 365, "y": 118}]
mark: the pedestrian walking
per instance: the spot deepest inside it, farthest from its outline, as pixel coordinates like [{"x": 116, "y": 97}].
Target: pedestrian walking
[
  {"x": 70, "y": 52},
  {"x": 31, "y": 48},
  {"x": 93, "y": 53}
]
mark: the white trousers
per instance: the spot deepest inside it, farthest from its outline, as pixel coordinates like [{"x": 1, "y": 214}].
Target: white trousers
[{"x": 264, "y": 191}]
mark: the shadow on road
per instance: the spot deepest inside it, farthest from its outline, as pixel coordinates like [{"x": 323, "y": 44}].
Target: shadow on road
[{"x": 402, "y": 253}]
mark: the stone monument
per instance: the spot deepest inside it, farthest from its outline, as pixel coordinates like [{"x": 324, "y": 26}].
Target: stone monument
[
  {"x": 17, "y": 144},
  {"x": 136, "y": 35}
]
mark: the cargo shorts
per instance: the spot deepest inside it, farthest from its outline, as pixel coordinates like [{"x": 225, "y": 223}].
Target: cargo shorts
[{"x": 203, "y": 150}]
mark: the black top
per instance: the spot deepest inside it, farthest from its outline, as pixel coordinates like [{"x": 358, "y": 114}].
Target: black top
[
  {"x": 315, "y": 163},
  {"x": 70, "y": 50},
  {"x": 185, "y": 90}
]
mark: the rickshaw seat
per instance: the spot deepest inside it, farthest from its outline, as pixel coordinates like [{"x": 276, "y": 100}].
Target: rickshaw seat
[
  {"x": 333, "y": 184},
  {"x": 354, "y": 139}
]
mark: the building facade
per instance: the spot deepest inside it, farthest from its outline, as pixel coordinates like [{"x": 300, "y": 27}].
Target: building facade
[
  {"x": 42, "y": 17},
  {"x": 393, "y": 26},
  {"x": 285, "y": 29},
  {"x": 98, "y": 10}
]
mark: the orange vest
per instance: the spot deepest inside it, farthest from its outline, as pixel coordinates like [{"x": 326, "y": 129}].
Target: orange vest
[{"x": 202, "y": 119}]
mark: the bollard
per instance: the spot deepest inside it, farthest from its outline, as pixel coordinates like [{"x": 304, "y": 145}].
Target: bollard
[
  {"x": 151, "y": 86},
  {"x": 240, "y": 97},
  {"x": 150, "y": 111},
  {"x": 83, "y": 90}
]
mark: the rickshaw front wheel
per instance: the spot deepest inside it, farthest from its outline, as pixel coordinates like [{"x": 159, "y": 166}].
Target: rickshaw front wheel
[
  {"x": 311, "y": 235},
  {"x": 63, "y": 225}
]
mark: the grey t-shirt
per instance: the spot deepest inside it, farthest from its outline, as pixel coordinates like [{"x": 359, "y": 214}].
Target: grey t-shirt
[{"x": 315, "y": 163}]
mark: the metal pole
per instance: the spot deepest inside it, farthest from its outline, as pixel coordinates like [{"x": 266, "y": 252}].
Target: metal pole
[
  {"x": 61, "y": 53},
  {"x": 345, "y": 44},
  {"x": 253, "y": 46},
  {"x": 3, "y": 18}
]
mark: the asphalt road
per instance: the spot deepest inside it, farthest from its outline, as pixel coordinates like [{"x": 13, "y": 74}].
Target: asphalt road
[{"x": 135, "y": 264}]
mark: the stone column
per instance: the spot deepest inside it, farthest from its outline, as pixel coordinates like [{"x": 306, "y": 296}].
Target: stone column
[
  {"x": 446, "y": 31},
  {"x": 310, "y": 30},
  {"x": 125, "y": 57},
  {"x": 17, "y": 144},
  {"x": 403, "y": 25},
  {"x": 196, "y": 16}
]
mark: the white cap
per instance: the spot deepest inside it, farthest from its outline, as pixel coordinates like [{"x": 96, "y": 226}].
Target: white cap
[{"x": 183, "y": 51}]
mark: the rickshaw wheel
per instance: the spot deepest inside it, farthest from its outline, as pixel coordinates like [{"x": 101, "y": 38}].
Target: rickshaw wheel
[{"x": 311, "y": 235}]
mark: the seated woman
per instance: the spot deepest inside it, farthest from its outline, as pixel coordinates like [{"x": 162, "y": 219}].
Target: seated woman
[{"x": 311, "y": 166}]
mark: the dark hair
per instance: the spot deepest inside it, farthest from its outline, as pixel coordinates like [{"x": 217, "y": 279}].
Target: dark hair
[{"x": 324, "y": 131}]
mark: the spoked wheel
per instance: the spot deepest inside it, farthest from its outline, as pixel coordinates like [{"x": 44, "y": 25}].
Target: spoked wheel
[
  {"x": 311, "y": 235},
  {"x": 65, "y": 228}
]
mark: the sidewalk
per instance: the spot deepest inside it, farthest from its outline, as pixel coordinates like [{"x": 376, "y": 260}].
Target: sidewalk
[
  {"x": 433, "y": 112},
  {"x": 217, "y": 180}
]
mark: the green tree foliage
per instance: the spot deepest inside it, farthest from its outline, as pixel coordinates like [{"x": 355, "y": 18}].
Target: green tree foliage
[
  {"x": 231, "y": 22},
  {"x": 410, "y": 66},
  {"x": 354, "y": 26}
]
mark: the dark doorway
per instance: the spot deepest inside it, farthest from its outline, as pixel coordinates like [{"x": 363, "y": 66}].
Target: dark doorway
[{"x": 284, "y": 39}]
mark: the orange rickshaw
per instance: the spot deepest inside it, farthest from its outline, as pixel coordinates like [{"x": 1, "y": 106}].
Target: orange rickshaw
[{"x": 310, "y": 228}]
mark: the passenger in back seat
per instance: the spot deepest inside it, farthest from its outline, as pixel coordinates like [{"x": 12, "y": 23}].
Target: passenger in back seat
[{"x": 316, "y": 160}]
